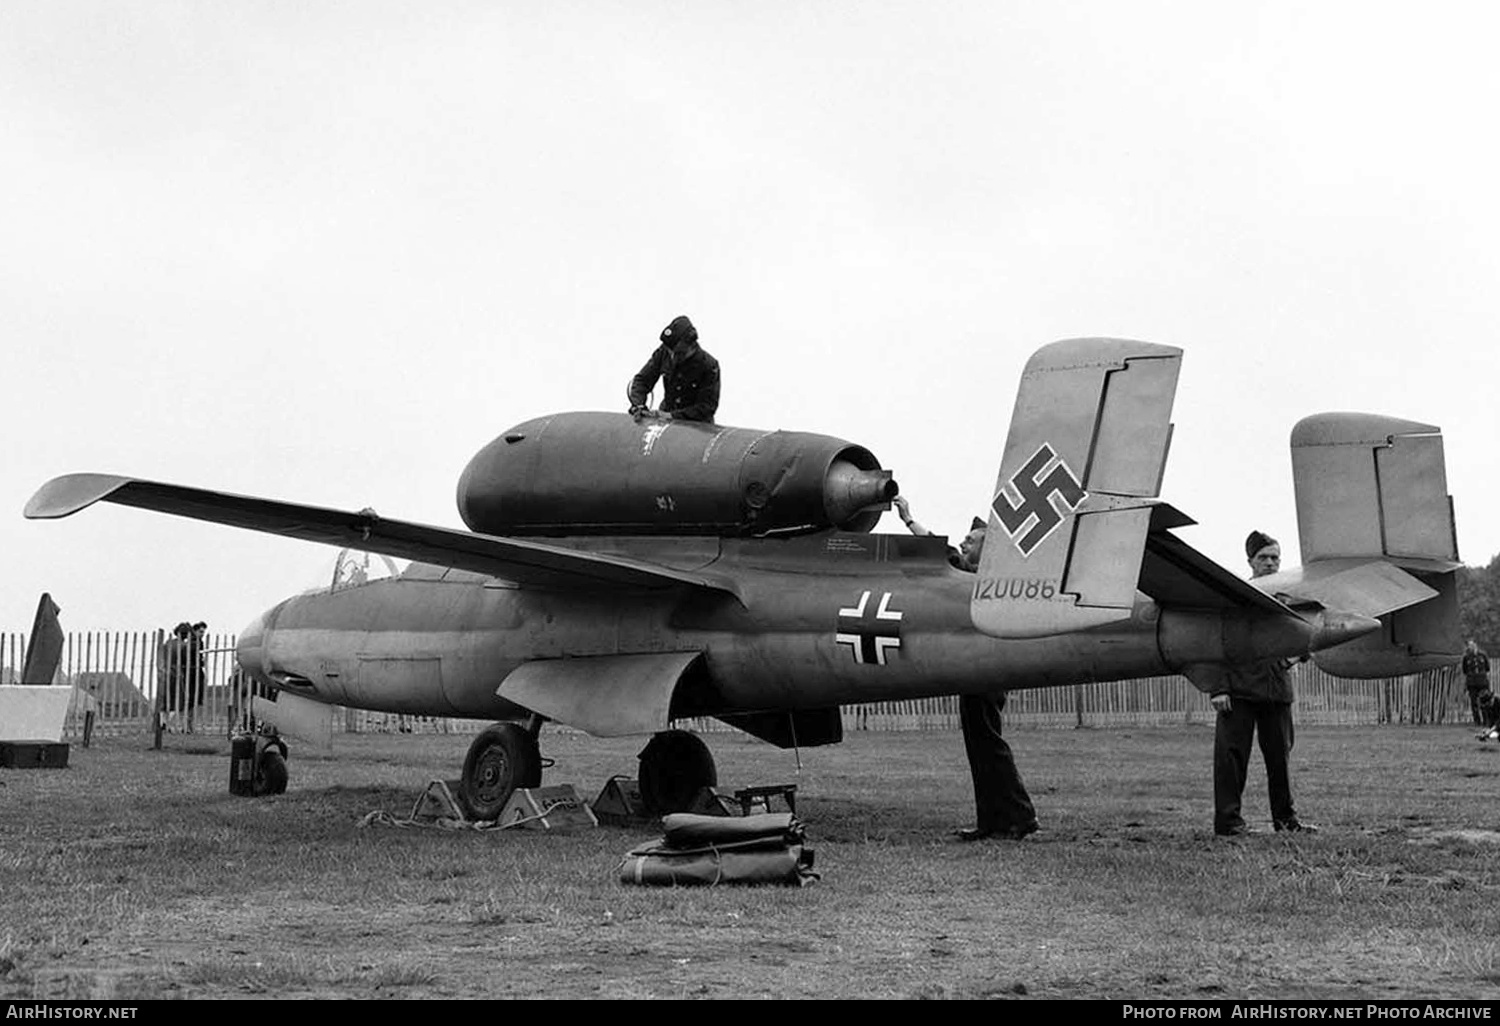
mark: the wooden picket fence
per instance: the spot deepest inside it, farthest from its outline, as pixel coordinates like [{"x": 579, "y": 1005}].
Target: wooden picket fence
[{"x": 119, "y": 672}]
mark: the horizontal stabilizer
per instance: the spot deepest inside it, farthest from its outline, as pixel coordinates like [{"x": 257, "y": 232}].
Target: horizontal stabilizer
[
  {"x": 1073, "y": 503},
  {"x": 1176, "y": 575},
  {"x": 524, "y": 562},
  {"x": 1369, "y": 588}
]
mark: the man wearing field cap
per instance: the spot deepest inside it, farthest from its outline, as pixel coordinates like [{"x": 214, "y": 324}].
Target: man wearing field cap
[
  {"x": 1254, "y": 698},
  {"x": 689, "y": 377}
]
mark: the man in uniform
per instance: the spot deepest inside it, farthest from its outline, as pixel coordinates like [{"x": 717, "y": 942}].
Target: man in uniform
[
  {"x": 689, "y": 376},
  {"x": 1476, "y": 667},
  {"x": 1002, "y": 806},
  {"x": 1254, "y": 698}
]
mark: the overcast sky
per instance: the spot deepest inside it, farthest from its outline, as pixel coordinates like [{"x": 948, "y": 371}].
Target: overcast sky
[{"x": 325, "y": 251}]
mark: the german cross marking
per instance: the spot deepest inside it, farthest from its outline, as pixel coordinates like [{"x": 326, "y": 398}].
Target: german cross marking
[{"x": 869, "y": 636}]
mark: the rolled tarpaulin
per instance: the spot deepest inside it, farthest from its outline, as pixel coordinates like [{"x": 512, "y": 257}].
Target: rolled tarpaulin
[
  {"x": 710, "y": 850},
  {"x": 690, "y": 830},
  {"x": 787, "y": 866}
]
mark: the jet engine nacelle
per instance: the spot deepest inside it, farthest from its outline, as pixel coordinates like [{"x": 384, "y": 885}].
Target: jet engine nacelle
[{"x": 609, "y": 474}]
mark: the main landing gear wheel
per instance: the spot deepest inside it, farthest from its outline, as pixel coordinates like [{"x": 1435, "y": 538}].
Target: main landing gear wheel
[
  {"x": 502, "y": 758},
  {"x": 270, "y": 773},
  {"x": 675, "y": 766}
]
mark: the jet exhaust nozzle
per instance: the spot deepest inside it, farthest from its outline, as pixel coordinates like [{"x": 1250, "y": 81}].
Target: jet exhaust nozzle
[
  {"x": 1335, "y": 628},
  {"x": 848, "y": 490}
]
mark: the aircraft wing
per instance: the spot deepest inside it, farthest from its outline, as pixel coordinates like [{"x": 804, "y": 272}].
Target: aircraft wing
[{"x": 524, "y": 562}]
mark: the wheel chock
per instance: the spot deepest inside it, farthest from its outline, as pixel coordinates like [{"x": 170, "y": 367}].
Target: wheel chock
[
  {"x": 620, "y": 803},
  {"x": 438, "y": 803},
  {"x": 546, "y": 808},
  {"x": 710, "y": 802}
]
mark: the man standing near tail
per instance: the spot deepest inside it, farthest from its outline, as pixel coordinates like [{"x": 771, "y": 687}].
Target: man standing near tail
[
  {"x": 1003, "y": 807},
  {"x": 1254, "y": 698}
]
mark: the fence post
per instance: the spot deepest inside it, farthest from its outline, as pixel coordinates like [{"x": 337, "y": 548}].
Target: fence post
[{"x": 160, "y": 705}]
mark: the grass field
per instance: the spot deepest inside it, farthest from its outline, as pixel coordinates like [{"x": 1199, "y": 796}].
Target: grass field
[{"x": 135, "y": 874}]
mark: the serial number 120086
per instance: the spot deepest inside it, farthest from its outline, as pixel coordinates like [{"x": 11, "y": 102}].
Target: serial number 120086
[{"x": 1003, "y": 589}]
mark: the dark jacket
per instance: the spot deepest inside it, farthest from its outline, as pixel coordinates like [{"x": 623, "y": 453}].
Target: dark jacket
[
  {"x": 1477, "y": 667},
  {"x": 1262, "y": 681},
  {"x": 690, "y": 387}
]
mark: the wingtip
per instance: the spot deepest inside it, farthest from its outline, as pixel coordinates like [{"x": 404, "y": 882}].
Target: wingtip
[{"x": 66, "y": 495}]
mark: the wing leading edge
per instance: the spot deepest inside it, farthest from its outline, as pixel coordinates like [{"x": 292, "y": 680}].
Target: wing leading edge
[{"x": 524, "y": 562}]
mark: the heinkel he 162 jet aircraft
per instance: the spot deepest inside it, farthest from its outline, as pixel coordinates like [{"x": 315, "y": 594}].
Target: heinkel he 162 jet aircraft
[{"x": 619, "y": 575}]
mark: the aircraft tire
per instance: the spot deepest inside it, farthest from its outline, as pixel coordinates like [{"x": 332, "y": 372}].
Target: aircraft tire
[
  {"x": 502, "y": 758},
  {"x": 675, "y": 766},
  {"x": 270, "y": 773}
]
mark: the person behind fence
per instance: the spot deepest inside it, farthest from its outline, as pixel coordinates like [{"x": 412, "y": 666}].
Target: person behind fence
[
  {"x": 1002, "y": 806},
  {"x": 171, "y": 674},
  {"x": 195, "y": 686},
  {"x": 1476, "y": 667},
  {"x": 1254, "y": 699},
  {"x": 689, "y": 377}
]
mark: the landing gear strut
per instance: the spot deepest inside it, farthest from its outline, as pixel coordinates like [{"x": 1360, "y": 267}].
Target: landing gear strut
[
  {"x": 503, "y": 757},
  {"x": 675, "y": 766}
]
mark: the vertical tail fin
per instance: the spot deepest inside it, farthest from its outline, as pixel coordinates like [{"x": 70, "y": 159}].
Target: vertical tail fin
[
  {"x": 1375, "y": 523},
  {"x": 1070, "y": 510},
  {"x": 1369, "y": 485}
]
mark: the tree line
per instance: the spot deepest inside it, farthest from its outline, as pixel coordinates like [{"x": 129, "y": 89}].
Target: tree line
[{"x": 1479, "y": 605}]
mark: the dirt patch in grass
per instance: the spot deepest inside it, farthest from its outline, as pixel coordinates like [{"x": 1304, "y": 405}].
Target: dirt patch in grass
[{"x": 135, "y": 874}]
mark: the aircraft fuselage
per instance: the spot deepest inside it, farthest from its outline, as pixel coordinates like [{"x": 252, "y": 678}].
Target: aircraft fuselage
[{"x": 830, "y": 619}]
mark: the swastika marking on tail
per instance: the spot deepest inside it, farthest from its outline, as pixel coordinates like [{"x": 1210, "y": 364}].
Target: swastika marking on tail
[{"x": 1033, "y": 514}]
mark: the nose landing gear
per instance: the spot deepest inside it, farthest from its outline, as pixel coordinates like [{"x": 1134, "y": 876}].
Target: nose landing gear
[{"x": 257, "y": 763}]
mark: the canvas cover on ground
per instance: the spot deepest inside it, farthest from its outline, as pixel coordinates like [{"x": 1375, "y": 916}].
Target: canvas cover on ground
[{"x": 711, "y": 850}]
